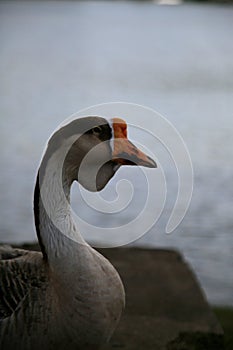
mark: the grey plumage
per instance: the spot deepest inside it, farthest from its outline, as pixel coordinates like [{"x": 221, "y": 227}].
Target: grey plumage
[
  {"x": 22, "y": 275},
  {"x": 31, "y": 316}
]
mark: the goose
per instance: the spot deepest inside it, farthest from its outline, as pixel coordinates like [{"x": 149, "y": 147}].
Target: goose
[{"x": 68, "y": 296}]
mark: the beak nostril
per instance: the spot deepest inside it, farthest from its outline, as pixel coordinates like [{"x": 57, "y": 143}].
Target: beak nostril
[{"x": 133, "y": 157}]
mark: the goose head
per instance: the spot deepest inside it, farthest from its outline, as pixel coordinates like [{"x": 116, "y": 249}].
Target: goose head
[{"x": 97, "y": 149}]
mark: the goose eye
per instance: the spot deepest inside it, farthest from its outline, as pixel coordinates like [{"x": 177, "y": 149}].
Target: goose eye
[{"x": 97, "y": 130}]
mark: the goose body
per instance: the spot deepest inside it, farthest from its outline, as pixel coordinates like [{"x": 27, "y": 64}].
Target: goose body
[{"x": 68, "y": 296}]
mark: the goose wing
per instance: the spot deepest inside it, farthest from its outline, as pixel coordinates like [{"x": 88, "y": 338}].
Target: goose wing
[{"x": 20, "y": 270}]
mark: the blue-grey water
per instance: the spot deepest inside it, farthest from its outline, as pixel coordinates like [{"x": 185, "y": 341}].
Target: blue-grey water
[{"x": 59, "y": 57}]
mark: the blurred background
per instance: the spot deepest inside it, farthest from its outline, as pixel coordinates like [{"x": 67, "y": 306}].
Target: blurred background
[{"x": 175, "y": 57}]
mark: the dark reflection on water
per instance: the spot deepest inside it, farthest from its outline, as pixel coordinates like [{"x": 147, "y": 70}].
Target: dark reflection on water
[{"x": 59, "y": 57}]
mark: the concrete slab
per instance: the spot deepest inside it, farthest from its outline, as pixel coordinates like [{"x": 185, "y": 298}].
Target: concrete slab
[{"x": 165, "y": 307}]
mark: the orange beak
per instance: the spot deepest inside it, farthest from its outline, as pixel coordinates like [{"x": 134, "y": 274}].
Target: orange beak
[{"x": 124, "y": 152}]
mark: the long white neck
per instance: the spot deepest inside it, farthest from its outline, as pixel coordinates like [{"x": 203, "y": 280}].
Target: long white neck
[{"x": 57, "y": 233}]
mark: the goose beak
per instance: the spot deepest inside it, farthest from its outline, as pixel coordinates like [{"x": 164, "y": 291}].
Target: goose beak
[{"x": 124, "y": 151}]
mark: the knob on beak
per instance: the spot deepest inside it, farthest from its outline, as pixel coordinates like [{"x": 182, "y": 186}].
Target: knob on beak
[{"x": 124, "y": 151}]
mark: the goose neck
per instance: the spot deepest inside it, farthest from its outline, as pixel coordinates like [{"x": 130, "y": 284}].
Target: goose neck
[{"x": 56, "y": 229}]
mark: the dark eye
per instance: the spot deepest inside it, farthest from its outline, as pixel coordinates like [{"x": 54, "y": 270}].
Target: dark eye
[{"x": 97, "y": 130}]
